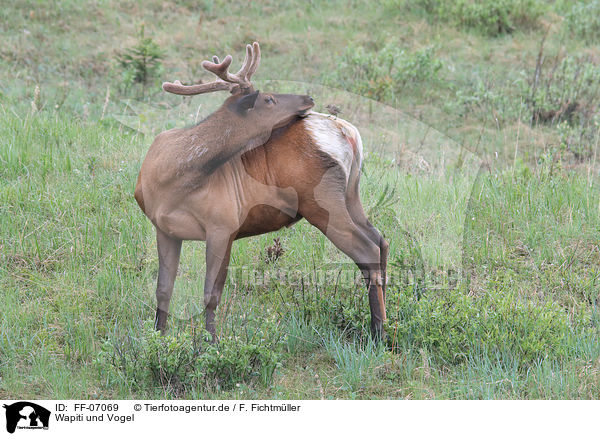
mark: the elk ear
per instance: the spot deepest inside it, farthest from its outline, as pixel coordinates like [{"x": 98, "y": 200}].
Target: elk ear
[{"x": 247, "y": 102}]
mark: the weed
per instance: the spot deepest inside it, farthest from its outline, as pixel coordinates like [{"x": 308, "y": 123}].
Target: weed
[
  {"x": 232, "y": 363},
  {"x": 274, "y": 251},
  {"x": 581, "y": 139},
  {"x": 559, "y": 89}
]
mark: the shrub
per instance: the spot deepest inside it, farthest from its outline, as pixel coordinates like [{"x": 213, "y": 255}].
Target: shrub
[
  {"x": 492, "y": 17},
  {"x": 487, "y": 97},
  {"x": 453, "y": 327},
  {"x": 566, "y": 91},
  {"x": 178, "y": 362},
  {"x": 583, "y": 21},
  {"x": 151, "y": 361},
  {"x": 346, "y": 311},
  {"x": 230, "y": 363},
  {"x": 382, "y": 74},
  {"x": 489, "y": 17},
  {"x": 581, "y": 140}
]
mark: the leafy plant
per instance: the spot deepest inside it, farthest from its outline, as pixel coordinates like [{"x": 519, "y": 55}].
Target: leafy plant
[
  {"x": 492, "y": 17},
  {"x": 184, "y": 360},
  {"x": 486, "y": 97},
  {"x": 142, "y": 62},
  {"x": 346, "y": 311},
  {"x": 489, "y": 17},
  {"x": 382, "y": 74},
  {"x": 559, "y": 89},
  {"x": 567, "y": 91},
  {"x": 230, "y": 363},
  {"x": 583, "y": 20},
  {"x": 454, "y": 326},
  {"x": 581, "y": 140}
]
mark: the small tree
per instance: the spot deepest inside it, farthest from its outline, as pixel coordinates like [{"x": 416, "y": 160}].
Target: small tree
[{"x": 141, "y": 62}]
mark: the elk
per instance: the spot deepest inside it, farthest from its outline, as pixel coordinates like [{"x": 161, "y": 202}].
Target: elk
[{"x": 262, "y": 161}]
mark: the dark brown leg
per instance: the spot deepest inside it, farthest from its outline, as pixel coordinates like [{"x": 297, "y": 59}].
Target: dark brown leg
[
  {"x": 377, "y": 306},
  {"x": 169, "y": 250},
  {"x": 359, "y": 217},
  {"x": 351, "y": 239},
  {"x": 384, "y": 248},
  {"x": 218, "y": 252}
]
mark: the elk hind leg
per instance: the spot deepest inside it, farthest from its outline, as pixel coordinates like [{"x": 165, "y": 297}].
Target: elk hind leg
[
  {"x": 351, "y": 239},
  {"x": 359, "y": 217}
]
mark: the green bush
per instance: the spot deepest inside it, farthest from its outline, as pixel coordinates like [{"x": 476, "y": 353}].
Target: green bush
[
  {"x": 346, "y": 311},
  {"x": 492, "y": 17},
  {"x": 487, "y": 98},
  {"x": 581, "y": 140},
  {"x": 230, "y": 363},
  {"x": 182, "y": 361},
  {"x": 150, "y": 361},
  {"x": 454, "y": 327},
  {"x": 381, "y": 75},
  {"x": 489, "y": 17},
  {"x": 566, "y": 91},
  {"x": 583, "y": 21}
]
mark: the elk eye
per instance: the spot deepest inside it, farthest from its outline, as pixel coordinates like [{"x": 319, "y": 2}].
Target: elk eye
[{"x": 270, "y": 100}]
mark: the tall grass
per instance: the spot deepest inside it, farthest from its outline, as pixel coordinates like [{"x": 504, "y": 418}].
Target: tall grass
[{"x": 358, "y": 362}]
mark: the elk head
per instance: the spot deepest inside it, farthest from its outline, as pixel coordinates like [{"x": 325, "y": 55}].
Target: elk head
[{"x": 255, "y": 110}]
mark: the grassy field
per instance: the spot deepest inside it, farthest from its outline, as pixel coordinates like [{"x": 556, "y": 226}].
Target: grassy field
[{"x": 481, "y": 129}]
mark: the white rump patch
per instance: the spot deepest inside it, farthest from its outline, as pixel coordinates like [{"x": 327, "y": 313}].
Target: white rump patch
[{"x": 335, "y": 137}]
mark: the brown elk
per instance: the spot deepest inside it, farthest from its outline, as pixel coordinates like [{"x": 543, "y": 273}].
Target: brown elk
[{"x": 259, "y": 163}]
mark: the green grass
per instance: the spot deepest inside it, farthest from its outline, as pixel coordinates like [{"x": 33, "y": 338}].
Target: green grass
[
  {"x": 78, "y": 259},
  {"x": 357, "y": 363}
]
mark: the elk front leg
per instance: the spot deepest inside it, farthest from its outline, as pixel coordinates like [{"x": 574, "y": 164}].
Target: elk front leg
[
  {"x": 169, "y": 250},
  {"x": 218, "y": 252}
]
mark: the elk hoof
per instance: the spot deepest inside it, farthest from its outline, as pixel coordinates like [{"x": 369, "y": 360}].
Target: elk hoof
[{"x": 160, "y": 321}]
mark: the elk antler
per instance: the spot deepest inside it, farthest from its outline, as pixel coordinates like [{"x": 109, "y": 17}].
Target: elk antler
[{"x": 233, "y": 83}]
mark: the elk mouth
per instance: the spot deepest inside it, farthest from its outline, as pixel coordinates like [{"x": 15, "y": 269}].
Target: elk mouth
[{"x": 308, "y": 105}]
